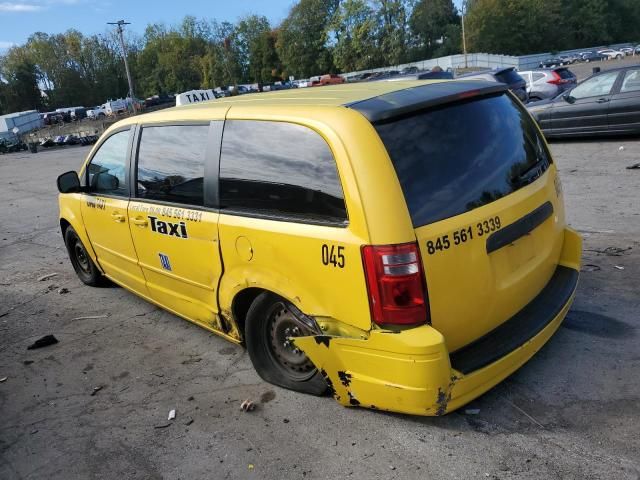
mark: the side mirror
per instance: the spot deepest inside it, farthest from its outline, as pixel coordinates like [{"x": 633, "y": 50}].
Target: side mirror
[
  {"x": 69, "y": 182},
  {"x": 568, "y": 98}
]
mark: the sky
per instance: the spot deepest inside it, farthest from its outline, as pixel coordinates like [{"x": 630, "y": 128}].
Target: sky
[{"x": 21, "y": 18}]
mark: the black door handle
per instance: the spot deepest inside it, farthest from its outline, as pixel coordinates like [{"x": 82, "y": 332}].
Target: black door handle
[{"x": 603, "y": 100}]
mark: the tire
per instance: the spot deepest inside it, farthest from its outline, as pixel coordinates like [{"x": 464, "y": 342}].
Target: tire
[
  {"x": 268, "y": 318},
  {"x": 86, "y": 270}
]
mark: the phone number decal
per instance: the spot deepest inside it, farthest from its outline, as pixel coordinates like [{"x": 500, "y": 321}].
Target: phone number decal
[{"x": 458, "y": 237}]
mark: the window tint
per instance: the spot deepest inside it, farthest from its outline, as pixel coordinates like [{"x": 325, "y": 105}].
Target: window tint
[
  {"x": 106, "y": 172},
  {"x": 631, "y": 82},
  {"x": 461, "y": 156},
  {"x": 171, "y": 163},
  {"x": 565, "y": 73},
  {"x": 277, "y": 168},
  {"x": 596, "y": 86}
]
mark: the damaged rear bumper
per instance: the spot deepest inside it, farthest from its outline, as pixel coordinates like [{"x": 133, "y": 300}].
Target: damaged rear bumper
[{"x": 411, "y": 371}]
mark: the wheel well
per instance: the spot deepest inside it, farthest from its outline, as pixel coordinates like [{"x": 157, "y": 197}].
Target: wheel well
[
  {"x": 63, "y": 226},
  {"x": 241, "y": 303}
]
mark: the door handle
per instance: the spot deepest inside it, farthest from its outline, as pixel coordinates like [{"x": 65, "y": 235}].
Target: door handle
[
  {"x": 118, "y": 217},
  {"x": 139, "y": 221},
  {"x": 603, "y": 100}
]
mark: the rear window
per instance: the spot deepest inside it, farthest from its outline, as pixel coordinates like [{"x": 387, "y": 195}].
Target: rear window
[
  {"x": 565, "y": 73},
  {"x": 462, "y": 156},
  {"x": 509, "y": 77}
]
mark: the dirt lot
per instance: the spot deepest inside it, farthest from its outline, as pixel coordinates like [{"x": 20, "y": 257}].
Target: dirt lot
[{"x": 571, "y": 413}]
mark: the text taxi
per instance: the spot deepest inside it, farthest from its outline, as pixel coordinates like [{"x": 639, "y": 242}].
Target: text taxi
[{"x": 400, "y": 244}]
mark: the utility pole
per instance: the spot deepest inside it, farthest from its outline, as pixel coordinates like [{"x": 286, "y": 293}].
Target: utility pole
[
  {"x": 464, "y": 38},
  {"x": 120, "y": 23}
]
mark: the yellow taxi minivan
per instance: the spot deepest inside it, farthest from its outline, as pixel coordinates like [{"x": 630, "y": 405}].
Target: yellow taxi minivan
[{"x": 402, "y": 245}]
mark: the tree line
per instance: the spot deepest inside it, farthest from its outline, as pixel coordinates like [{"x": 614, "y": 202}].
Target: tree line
[{"x": 316, "y": 37}]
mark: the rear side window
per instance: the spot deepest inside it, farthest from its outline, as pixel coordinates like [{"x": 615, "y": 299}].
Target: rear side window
[
  {"x": 631, "y": 82},
  {"x": 538, "y": 76},
  {"x": 461, "y": 156},
  {"x": 171, "y": 164},
  {"x": 279, "y": 169},
  {"x": 107, "y": 171}
]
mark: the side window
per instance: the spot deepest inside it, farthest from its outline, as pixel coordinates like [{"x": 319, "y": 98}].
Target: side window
[
  {"x": 106, "y": 172},
  {"x": 631, "y": 82},
  {"x": 538, "y": 76},
  {"x": 596, "y": 86},
  {"x": 171, "y": 163},
  {"x": 281, "y": 169}
]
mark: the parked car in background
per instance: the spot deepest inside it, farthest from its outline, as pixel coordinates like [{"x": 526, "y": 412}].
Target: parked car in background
[
  {"x": 568, "y": 59},
  {"x": 78, "y": 113},
  {"x": 409, "y": 70},
  {"x": 507, "y": 75},
  {"x": 552, "y": 62},
  {"x": 328, "y": 79},
  {"x": 97, "y": 112},
  {"x": 610, "y": 53},
  {"x": 548, "y": 83},
  {"x": 607, "y": 103},
  {"x": 51, "y": 118},
  {"x": 627, "y": 50},
  {"x": 593, "y": 57},
  {"x": 636, "y": 51}
]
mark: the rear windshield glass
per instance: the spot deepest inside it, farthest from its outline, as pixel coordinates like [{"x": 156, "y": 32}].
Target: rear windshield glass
[
  {"x": 461, "y": 156},
  {"x": 564, "y": 73},
  {"x": 509, "y": 77}
]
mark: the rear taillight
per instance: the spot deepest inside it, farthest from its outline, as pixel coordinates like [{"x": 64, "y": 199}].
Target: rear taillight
[
  {"x": 396, "y": 284},
  {"x": 557, "y": 79}
]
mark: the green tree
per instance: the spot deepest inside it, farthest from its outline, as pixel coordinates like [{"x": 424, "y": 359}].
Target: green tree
[
  {"x": 354, "y": 27},
  {"x": 19, "y": 90},
  {"x": 392, "y": 28},
  {"x": 303, "y": 38},
  {"x": 249, "y": 36},
  {"x": 431, "y": 24}
]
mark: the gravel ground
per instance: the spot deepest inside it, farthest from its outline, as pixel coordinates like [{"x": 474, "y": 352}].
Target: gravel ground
[{"x": 570, "y": 413}]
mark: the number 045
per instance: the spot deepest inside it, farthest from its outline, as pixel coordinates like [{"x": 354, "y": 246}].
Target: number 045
[{"x": 332, "y": 255}]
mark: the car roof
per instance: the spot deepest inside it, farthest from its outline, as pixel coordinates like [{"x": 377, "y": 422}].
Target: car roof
[{"x": 344, "y": 95}]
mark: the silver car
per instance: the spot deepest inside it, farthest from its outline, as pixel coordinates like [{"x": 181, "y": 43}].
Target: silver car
[{"x": 548, "y": 82}]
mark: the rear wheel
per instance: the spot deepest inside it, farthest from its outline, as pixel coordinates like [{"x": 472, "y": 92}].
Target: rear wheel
[
  {"x": 80, "y": 259},
  {"x": 269, "y": 326}
]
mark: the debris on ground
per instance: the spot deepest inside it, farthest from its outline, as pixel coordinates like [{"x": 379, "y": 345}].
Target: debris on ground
[
  {"x": 618, "y": 267},
  {"x": 63, "y": 290},
  {"x": 610, "y": 251},
  {"x": 251, "y": 466},
  {"x": 47, "y": 277},
  {"x": 472, "y": 411},
  {"x": 590, "y": 268},
  {"x": 96, "y": 389},
  {"x": 191, "y": 360},
  {"x": 189, "y": 422},
  {"x": 43, "y": 342},
  {"x": 635, "y": 166},
  {"x": 164, "y": 425},
  {"x": 172, "y": 414},
  {"x": 3, "y": 379},
  {"x": 247, "y": 406},
  {"x": 27, "y": 362},
  {"x": 91, "y": 317},
  {"x": 190, "y": 399},
  {"x": 621, "y": 149}
]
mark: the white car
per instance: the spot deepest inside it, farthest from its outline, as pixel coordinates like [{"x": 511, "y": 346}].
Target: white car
[
  {"x": 97, "y": 112},
  {"x": 611, "y": 53}
]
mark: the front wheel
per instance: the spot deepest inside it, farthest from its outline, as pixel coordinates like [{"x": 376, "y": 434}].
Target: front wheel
[
  {"x": 270, "y": 325},
  {"x": 80, "y": 259}
]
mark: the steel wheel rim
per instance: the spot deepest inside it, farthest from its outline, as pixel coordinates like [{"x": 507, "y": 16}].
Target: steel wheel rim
[
  {"x": 81, "y": 257},
  {"x": 281, "y": 326}
]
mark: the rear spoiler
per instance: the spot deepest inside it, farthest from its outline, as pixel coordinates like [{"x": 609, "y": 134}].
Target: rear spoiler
[{"x": 405, "y": 102}]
